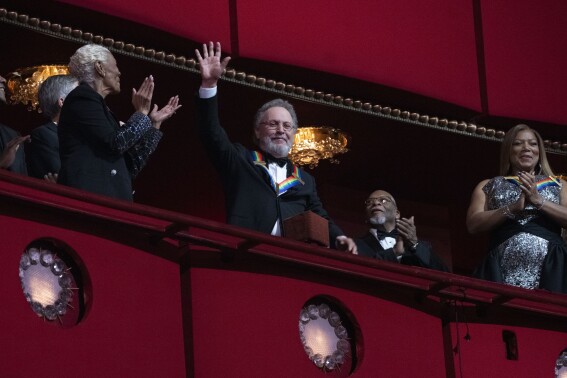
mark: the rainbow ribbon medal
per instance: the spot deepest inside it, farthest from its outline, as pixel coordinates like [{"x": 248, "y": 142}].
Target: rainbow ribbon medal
[
  {"x": 285, "y": 185},
  {"x": 541, "y": 184}
]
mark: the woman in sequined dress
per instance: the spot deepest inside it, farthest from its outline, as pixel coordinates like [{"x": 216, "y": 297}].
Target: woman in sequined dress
[{"x": 524, "y": 210}]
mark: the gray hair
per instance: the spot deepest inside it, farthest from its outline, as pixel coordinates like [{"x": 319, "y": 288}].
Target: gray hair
[
  {"x": 81, "y": 64},
  {"x": 51, "y": 90},
  {"x": 278, "y": 102}
]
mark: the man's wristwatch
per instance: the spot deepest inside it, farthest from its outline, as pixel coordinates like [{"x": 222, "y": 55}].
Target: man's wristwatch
[{"x": 414, "y": 247}]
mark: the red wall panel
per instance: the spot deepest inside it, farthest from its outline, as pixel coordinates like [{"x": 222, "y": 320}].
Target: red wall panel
[
  {"x": 485, "y": 354},
  {"x": 237, "y": 306},
  {"x": 423, "y": 47},
  {"x": 133, "y": 328},
  {"x": 247, "y": 325},
  {"x": 428, "y": 48},
  {"x": 199, "y": 21},
  {"x": 525, "y": 54}
]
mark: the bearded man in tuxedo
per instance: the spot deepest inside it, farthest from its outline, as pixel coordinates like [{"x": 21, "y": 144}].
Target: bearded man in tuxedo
[
  {"x": 262, "y": 187},
  {"x": 393, "y": 238}
]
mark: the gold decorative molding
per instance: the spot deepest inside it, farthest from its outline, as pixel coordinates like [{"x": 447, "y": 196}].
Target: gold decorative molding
[
  {"x": 23, "y": 84},
  {"x": 264, "y": 84},
  {"x": 315, "y": 143}
]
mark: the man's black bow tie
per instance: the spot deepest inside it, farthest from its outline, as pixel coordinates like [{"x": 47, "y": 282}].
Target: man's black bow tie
[
  {"x": 279, "y": 161},
  {"x": 384, "y": 234}
]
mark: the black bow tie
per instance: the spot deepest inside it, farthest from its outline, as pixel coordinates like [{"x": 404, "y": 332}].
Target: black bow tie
[
  {"x": 381, "y": 235},
  {"x": 279, "y": 161}
]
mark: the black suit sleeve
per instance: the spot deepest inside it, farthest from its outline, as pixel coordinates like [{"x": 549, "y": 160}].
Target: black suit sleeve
[
  {"x": 99, "y": 125},
  {"x": 316, "y": 206},
  {"x": 368, "y": 246},
  {"x": 425, "y": 257},
  {"x": 218, "y": 146},
  {"x": 19, "y": 165},
  {"x": 43, "y": 153}
]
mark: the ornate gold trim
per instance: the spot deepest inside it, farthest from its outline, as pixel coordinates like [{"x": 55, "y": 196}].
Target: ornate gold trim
[{"x": 261, "y": 83}]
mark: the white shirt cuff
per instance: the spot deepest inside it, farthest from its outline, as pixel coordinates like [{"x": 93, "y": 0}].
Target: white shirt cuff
[{"x": 207, "y": 92}]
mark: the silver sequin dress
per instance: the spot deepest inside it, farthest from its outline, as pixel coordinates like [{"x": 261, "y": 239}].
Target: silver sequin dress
[{"x": 520, "y": 255}]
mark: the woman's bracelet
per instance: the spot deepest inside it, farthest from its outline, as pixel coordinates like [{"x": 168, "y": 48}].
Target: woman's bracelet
[
  {"x": 506, "y": 211},
  {"x": 538, "y": 207}
]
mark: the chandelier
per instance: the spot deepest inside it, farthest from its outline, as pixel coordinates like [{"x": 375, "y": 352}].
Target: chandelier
[
  {"x": 313, "y": 143},
  {"x": 23, "y": 83}
]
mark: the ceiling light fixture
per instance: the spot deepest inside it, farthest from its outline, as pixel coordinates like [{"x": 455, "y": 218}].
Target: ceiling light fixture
[
  {"x": 314, "y": 143},
  {"x": 23, "y": 84}
]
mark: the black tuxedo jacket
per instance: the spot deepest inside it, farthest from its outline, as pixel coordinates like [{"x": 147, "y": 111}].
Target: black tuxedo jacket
[
  {"x": 6, "y": 135},
  {"x": 97, "y": 154},
  {"x": 251, "y": 201},
  {"x": 43, "y": 154},
  {"x": 423, "y": 256}
]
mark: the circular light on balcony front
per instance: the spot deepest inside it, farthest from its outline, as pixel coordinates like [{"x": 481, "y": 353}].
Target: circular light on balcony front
[
  {"x": 325, "y": 340},
  {"x": 561, "y": 365},
  {"x": 48, "y": 286}
]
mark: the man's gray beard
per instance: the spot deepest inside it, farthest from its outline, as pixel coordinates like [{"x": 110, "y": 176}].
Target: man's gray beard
[
  {"x": 276, "y": 150},
  {"x": 377, "y": 220}
]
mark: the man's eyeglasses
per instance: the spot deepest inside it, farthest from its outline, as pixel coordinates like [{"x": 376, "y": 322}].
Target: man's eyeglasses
[
  {"x": 377, "y": 200},
  {"x": 272, "y": 125}
]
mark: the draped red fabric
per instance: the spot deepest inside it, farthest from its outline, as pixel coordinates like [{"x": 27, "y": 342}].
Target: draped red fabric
[{"x": 499, "y": 57}]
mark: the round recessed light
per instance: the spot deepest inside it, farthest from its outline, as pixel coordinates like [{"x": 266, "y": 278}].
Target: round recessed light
[
  {"x": 325, "y": 339},
  {"x": 561, "y": 365},
  {"x": 47, "y": 283}
]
